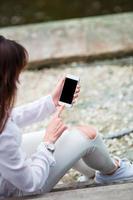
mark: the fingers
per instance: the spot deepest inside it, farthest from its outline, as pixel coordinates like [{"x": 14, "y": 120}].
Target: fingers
[
  {"x": 76, "y": 94},
  {"x": 78, "y": 86},
  {"x": 59, "y": 110},
  {"x": 58, "y": 124},
  {"x": 61, "y": 129},
  {"x": 77, "y": 89}
]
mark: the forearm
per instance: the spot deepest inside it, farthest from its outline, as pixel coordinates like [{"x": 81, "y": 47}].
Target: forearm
[{"x": 34, "y": 112}]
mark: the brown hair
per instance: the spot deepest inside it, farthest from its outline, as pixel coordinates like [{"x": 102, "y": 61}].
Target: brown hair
[{"x": 13, "y": 59}]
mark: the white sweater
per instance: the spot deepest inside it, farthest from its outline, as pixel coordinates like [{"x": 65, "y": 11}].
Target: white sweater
[{"x": 16, "y": 170}]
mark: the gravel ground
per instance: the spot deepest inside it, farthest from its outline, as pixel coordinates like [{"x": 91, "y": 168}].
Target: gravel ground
[{"x": 106, "y": 100}]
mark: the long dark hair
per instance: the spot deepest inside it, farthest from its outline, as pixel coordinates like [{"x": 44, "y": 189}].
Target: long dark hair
[{"x": 13, "y": 59}]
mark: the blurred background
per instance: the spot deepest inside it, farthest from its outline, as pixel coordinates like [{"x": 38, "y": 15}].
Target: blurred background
[
  {"x": 106, "y": 98},
  {"x": 13, "y": 12}
]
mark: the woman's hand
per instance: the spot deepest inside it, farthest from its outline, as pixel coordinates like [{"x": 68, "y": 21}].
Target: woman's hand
[
  {"x": 58, "y": 89},
  {"x": 55, "y": 128},
  {"x": 76, "y": 94}
]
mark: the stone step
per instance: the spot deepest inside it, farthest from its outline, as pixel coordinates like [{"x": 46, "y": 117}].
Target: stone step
[
  {"x": 123, "y": 191},
  {"x": 77, "y": 39}
]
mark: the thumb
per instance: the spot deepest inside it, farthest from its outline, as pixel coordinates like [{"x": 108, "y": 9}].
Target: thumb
[
  {"x": 61, "y": 82},
  {"x": 59, "y": 110}
]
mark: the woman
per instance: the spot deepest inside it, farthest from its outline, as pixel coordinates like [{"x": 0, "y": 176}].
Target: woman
[{"x": 33, "y": 163}]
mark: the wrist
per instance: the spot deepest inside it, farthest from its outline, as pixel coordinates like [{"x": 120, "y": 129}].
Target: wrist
[
  {"x": 49, "y": 146},
  {"x": 55, "y": 100},
  {"x": 49, "y": 141}
]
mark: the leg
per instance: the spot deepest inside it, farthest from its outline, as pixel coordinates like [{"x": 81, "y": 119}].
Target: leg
[
  {"x": 30, "y": 141},
  {"x": 84, "y": 169},
  {"x": 37, "y": 137},
  {"x": 108, "y": 170},
  {"x": 97, "y": 157},
  {"x": 70, "y": 147}
]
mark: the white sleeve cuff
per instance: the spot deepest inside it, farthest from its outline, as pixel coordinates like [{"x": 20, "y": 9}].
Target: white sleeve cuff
[{"x": 45, "y": 152}]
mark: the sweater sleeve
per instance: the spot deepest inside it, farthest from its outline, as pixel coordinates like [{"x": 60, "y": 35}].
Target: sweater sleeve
[
  {"x": 33, "y": 112},
  {"x": 14, "y": 165}
]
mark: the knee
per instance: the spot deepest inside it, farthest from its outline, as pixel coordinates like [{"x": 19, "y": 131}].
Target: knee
[{"x": 89, "y": 131}]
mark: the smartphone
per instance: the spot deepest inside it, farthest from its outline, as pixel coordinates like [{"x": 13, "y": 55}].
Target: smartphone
[{"x": 68, "y": 90}]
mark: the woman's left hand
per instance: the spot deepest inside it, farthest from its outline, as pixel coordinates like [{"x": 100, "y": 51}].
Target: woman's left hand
[{"x": 58, "y": 89}]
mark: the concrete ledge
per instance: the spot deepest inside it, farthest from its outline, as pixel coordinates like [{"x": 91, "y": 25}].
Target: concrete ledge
[
  {"x": 77, "y": 39},
  {"x": 121, "y": 191}
]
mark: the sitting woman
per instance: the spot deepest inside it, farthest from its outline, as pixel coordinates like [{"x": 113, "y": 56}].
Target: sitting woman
[{"x": 33, "y": 163}]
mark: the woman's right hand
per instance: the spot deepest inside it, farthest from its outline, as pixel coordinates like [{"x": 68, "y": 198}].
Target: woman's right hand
[{"x": 56, "y": 127}]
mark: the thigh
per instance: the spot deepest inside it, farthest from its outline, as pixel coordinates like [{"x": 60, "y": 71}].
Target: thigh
[
  {"x": 30, "y": 141},
  {"x": 70, "y": 147}
]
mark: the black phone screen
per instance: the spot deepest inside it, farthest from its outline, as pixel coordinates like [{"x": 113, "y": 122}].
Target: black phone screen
[{"x": 68, "y": 90}]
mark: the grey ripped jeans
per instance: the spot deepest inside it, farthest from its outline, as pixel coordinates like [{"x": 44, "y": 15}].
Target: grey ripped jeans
[{"x": 73, "y": 150}]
